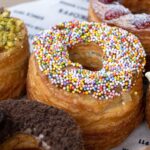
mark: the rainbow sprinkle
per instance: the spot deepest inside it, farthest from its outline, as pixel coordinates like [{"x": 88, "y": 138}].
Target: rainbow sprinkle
[{"x": 124, "y": 56}]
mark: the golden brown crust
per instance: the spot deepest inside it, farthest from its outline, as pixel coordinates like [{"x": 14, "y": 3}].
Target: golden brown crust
[
  {"x": 13, "y": 69},
  {"x": 104, "y": 123},
  {"x": 19, "y": 142},
  {"x": 134, "y": 5},
  {"x": 148, "y": 106},
  {"x": 91, "y": 14},
  {"x": 143, "y": 34}
]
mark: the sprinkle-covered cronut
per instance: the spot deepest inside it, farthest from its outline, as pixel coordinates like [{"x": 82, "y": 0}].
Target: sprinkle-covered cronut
[{"x": 123, "y": 57}]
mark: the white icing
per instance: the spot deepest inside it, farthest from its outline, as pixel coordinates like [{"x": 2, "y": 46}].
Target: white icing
[
  {"x": 28, "y": 131},
  {"x": 46, "y": 147},
  {"x": 39, "y": 139},
  {"x": 101, "y": 8},
  {"x": 117, "y": 6},
  {"x": 142, "y": 17},
  {"x": 147, "y": 75},
  {"x": 44, "y": 144},
  {"x": 41, "y": 136},
  {"x": 126, "y": 21}
]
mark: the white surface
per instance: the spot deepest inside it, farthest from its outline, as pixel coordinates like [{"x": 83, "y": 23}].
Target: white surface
[
  {"x": 147, "y": 75},
  {"x": 6, "y": 3},
  {"x": 43, "y": 14}
]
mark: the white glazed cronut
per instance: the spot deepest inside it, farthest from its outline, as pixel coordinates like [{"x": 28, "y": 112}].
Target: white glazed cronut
[{"x": 115, "y": 13}]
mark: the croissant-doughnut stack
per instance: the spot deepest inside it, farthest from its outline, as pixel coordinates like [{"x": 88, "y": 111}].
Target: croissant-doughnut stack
[
  {"x": 82, "y": 76},
  {"x": 30, "y": 125},
  {"x": 105, "y": 124},
  {"x": 14, "y": 53}
]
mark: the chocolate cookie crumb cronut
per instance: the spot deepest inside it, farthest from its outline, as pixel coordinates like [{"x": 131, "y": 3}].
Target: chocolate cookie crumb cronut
[{"x": 50, "y": 128}]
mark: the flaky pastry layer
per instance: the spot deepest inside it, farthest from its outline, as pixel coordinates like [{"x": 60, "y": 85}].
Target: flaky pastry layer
[
  {"x": 20, "y": 142},
  {"x": 105, "y": 123},
  {"x": 134, "y": 5},
  {"x": 13, "y": 68}
]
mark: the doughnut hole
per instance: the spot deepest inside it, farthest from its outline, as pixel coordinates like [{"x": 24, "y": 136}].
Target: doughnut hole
[
  {"x": 21, "y": 142},
  {"x": 89, "y": 55}
]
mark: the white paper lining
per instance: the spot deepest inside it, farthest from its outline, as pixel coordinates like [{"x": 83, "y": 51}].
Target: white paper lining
[{"x": 43, "y": 14}]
